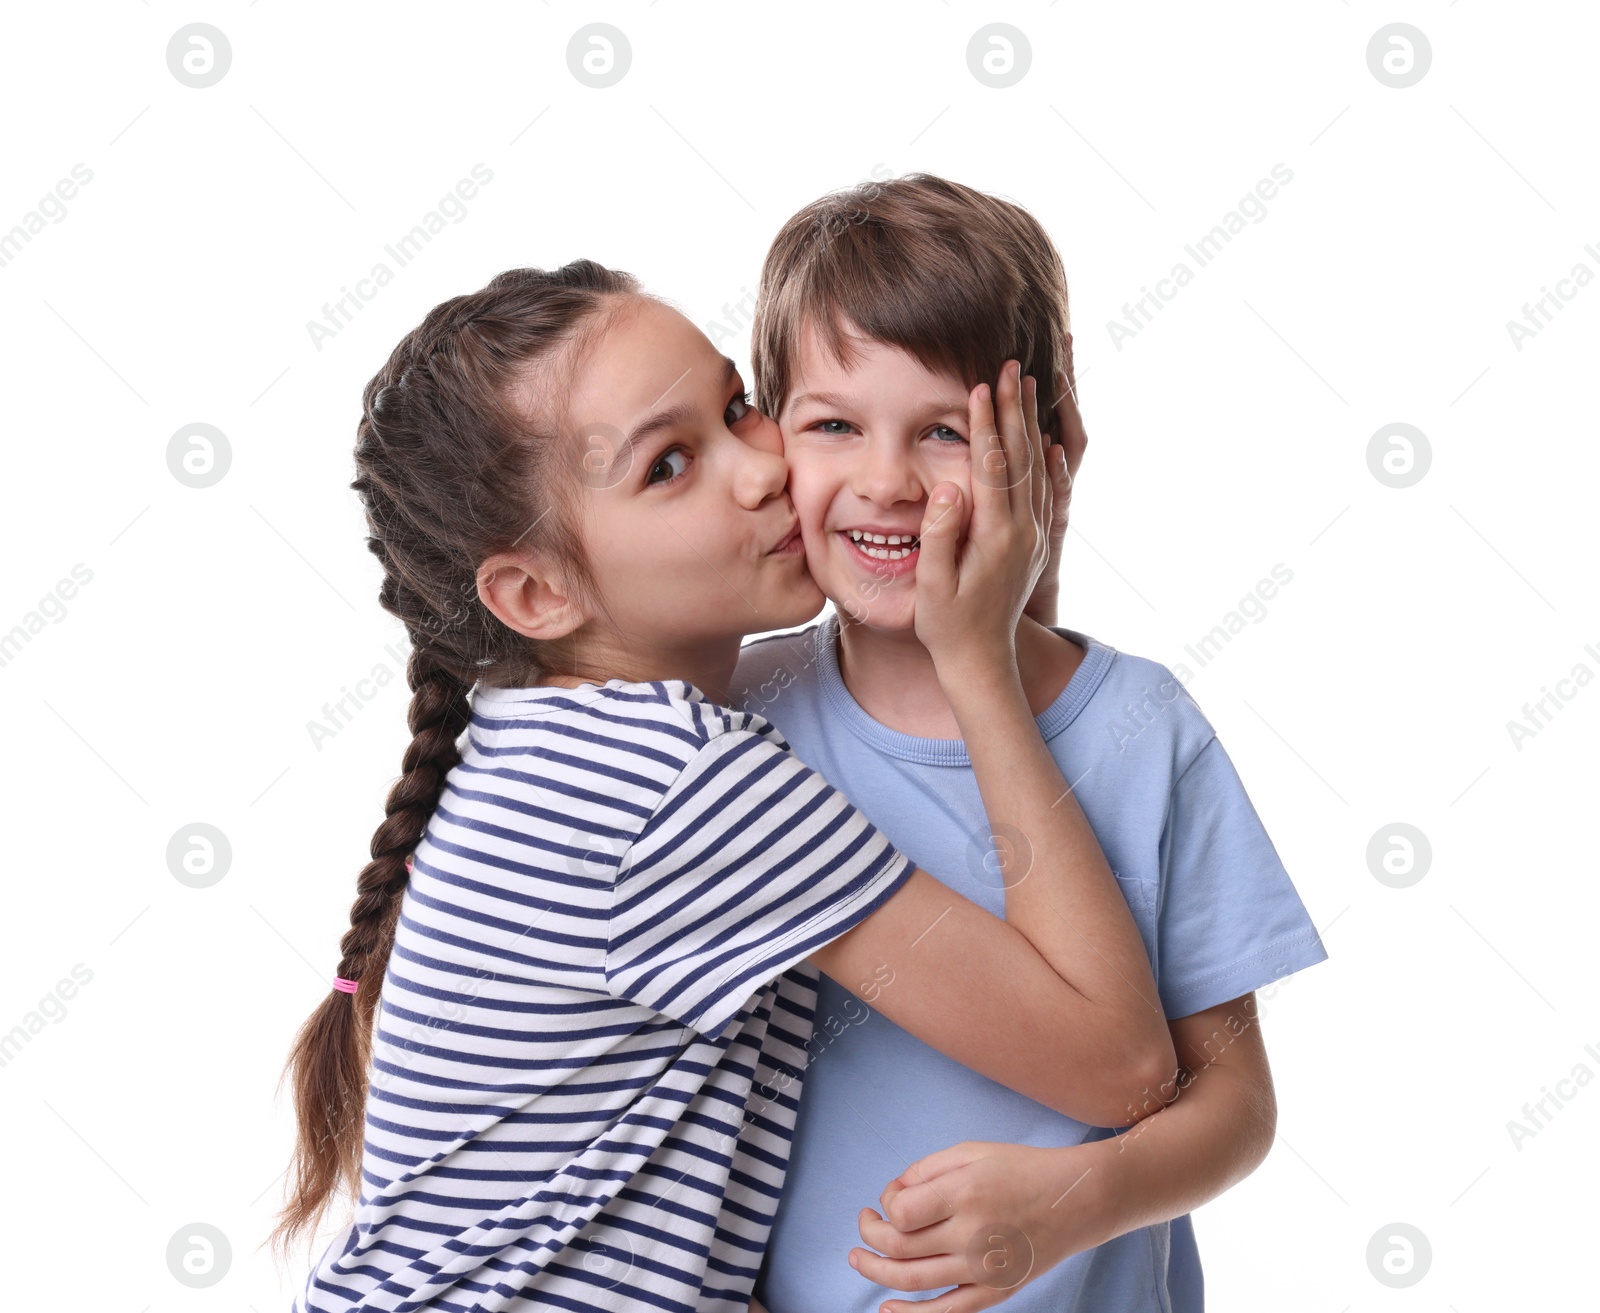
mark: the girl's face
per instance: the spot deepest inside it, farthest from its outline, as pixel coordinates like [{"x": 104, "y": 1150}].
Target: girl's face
[
  {"x": 686, "y": 520},
  {"x": 865, "y": 448}
]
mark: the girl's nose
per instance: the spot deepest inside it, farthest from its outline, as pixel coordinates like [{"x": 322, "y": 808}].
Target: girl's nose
[{"x": 761, "y": 472}]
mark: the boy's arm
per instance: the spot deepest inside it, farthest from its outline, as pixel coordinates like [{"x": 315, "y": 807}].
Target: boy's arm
[
  {"x": 1059, "y": 890},
  {"x": 1056, "y": 1001},
  {"x": 1063, "y": 1201}
]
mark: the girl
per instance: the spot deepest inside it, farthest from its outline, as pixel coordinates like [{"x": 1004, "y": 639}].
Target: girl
[{"x": 621, "y": 890}]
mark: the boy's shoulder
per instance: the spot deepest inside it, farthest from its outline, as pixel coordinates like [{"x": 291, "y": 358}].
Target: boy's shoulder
[
  {"x": 768, "y": 651},
  {"x": 773, "y": 662},
  {"x": 1138, "y": 701}
]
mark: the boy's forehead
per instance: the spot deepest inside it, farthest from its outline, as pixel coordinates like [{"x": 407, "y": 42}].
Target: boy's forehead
[
  {"x": 862, "y": 355},
  {"x": 871, "y": 365}
]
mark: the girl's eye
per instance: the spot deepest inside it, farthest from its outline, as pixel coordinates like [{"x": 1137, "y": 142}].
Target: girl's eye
[
  {"x": 945, "y": 428},
  {"x": 743, "y": 405},
  {"x": 663, "y": 462},
  {"x": 822, "y": 424}
]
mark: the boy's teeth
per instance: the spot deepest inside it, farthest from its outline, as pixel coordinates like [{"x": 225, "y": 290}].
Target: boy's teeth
[
  {"x": 895, "y": 546},
  {"x": 892, "y": 539}
]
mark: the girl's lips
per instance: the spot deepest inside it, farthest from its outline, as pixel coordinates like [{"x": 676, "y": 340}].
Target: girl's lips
[
  {"x": 789, "y": 544},
  {"x": 876, "y": 566}
]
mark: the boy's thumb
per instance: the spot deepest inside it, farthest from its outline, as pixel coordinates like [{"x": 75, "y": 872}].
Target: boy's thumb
[
  {"x": 943, "y": 516},
  {"x": 941, "y": 526}
]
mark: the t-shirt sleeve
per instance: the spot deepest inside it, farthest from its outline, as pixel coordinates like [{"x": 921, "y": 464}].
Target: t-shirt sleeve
[
  {"x": 749, "y": 863},
  {"x": 1230, "y": 920}
]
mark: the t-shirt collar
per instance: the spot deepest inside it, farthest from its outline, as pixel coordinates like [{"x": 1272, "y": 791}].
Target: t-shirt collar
[{"x": 951, "y": 752}]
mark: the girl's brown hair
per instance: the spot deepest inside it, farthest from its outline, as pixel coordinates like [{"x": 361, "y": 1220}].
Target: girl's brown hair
[
  {"x": 961, "y": 280},
  {"x": 456, "y": 460}
]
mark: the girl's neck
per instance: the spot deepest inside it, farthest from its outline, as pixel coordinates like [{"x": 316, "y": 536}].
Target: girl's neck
[
  {"x": 708, "y": 667},
  {"x": 892, "y": 677}
]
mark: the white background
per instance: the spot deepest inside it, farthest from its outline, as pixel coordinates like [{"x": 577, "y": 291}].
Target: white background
[{"x": 1228, "y": 436}]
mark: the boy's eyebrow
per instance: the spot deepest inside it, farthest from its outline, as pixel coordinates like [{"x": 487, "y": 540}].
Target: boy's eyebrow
[
  {"x": 936, "y": 407},
  {"x": 665, "y": 419}
]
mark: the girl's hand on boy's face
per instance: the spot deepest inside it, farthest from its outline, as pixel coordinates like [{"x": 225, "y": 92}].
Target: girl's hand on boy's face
[
  {"x": 976, "y": 567},
  {"x": 1064, "y": 458},
  {"x": 983, "y": 1216}
]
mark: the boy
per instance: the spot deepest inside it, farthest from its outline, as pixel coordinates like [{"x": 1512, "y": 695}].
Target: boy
[{"x": 878, "y": 308}]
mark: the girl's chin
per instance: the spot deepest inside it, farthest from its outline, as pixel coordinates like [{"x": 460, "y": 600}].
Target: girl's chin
[{"x": 796, "y": 606}]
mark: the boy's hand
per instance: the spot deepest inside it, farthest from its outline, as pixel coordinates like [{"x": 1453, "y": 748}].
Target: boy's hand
[
  {"x": 984, "y": 1216},
  {"x": 1064, "y": 458},
  {"x": 971, "y": 585}
]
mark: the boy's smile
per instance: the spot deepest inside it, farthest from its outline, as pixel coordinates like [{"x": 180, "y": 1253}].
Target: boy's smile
[{"x": 865, "y": 446}]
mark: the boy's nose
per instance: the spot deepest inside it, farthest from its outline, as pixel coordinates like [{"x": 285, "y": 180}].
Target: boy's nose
[{"x": 885, "y": 476}]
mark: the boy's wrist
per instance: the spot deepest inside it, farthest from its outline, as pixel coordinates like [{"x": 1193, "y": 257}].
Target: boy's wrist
[
  {"x": 988, "y": 661},
  {"x": 979, "y": 688},
  {"x": 1099, "y": 1168}
]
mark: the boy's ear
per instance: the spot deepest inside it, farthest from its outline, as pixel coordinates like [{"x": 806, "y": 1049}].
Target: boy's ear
[{"x": 530, "y": 595}]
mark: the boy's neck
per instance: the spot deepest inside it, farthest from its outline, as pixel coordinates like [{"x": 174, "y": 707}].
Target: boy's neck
[{"x": 892, "y": 677}]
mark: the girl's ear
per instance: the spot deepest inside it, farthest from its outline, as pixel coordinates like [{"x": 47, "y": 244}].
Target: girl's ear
[{"x": 529, "y": 595}]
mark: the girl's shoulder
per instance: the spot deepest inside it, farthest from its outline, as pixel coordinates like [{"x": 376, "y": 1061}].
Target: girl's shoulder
[{"x": 648, "y": 714}]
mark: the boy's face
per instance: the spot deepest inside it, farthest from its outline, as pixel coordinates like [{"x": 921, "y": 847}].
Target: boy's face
[{"x": 865, "y": 447}]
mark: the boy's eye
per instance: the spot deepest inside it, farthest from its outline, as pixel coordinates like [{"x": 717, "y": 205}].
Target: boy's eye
[
  {"x": 823, "y": 425},
  {"x": 663, "y": 462},
  {"x": 953, "y": 437}
]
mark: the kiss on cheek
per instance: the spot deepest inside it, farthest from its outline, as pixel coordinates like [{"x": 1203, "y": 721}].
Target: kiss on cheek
[{"x": 866, "y": 444}]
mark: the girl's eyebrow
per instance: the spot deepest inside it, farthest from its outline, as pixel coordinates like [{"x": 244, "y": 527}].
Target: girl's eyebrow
[{"x": 666, "y": 419}]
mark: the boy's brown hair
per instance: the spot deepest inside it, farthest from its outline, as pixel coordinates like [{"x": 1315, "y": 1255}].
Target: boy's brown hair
[{"x": 959, "y": 279}]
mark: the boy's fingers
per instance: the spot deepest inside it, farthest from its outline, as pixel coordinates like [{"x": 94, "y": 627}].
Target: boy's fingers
[
  {"x": 1041, "y": 480},
  {"x": 1014, "y": 434},
  {"x": 941, "y": 528},
  {"x": 1069, "y": 420},
  {"x": 922, "y": 1206},
  {"x": 988, "y": 453}
]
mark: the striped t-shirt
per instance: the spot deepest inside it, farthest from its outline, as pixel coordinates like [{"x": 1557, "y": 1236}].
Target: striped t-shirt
[{"x": 593, "y": 1026}]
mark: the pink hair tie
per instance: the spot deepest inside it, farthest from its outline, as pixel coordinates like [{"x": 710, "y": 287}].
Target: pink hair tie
[
  {"x": 408, "y": 863},
  {"x": 348, "y": 986}
]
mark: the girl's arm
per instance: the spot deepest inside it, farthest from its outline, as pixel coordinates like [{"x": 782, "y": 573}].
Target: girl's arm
[
  {"x": 1050, "y": 1203},
  {"x": 1057, "y": 1001}
]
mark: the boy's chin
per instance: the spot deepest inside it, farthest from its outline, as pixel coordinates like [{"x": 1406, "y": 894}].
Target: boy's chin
[{"x": 889, "y": 614}]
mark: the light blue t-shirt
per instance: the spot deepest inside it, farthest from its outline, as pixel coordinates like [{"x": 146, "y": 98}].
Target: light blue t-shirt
[{"x": 1217, "y": 911}]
